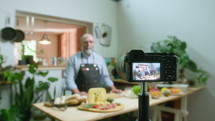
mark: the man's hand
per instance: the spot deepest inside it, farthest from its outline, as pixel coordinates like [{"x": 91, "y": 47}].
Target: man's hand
[
  {"x": 76, "y": 91},
  {"x": 83, "y": 93},
  {"x": 113, "y": 89}
]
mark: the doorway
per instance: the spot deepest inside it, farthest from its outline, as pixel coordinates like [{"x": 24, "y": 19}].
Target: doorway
[{"x": 64, "y": 35}]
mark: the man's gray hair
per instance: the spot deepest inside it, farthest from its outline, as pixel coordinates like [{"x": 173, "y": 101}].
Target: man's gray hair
[{"x": 85, "y": 36}]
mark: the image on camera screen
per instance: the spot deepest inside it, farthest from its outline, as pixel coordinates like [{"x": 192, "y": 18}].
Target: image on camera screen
[{"x": 146, "y": 71}]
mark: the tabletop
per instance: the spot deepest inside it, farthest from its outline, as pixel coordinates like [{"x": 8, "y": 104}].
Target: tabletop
[{"x": 130, "y": 104}]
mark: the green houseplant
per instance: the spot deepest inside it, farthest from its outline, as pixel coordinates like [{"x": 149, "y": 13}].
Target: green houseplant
[
  {"x": 23, "y": 60},
  {"x": 175, "y": 45},
  {"x": 26, "y": 92},
  {"x": 5, "y": 71},
  {"x": 6, "y": 77}
]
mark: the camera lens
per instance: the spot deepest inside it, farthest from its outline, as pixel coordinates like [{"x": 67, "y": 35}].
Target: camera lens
[{"x": 120, "y": 67}]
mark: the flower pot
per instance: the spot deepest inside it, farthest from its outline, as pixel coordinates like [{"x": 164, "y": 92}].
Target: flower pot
[{"x": 22, "y": 62}]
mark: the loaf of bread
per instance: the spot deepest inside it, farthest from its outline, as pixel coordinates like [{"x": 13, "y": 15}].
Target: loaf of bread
[{"x": 72, "y": 102}]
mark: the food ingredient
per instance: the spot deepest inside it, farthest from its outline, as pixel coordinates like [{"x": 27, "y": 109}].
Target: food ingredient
[
  {"x": 175, "y": 90},
  {"x": 136, "y": 89},
  {"x": 97, "y": 96},
  {"x": 165, "y": 91},
  {"x": 155, "y": 93},
  {"x": 70, "y": 100},
  {"x": 97, "y": 101}
]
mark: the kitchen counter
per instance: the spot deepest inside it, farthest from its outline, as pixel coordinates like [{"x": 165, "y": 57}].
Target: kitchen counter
[{"x": 130, "y": 104}]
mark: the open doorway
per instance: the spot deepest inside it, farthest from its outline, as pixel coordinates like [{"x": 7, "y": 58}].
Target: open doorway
[{"x": 63, "y": 34}]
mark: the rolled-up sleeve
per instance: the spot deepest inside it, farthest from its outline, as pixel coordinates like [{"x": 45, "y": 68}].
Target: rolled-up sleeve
[{"x": 70, "y": 75}]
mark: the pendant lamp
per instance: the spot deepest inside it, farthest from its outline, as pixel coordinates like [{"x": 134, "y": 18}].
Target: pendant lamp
[{"x": 45, "y": 40}]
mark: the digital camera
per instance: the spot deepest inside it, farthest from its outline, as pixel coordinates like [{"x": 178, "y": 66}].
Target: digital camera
[{"x": 138, "y": 66}]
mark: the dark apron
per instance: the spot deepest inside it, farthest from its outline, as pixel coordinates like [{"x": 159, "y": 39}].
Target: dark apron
[{"x": 88, "y": 77}]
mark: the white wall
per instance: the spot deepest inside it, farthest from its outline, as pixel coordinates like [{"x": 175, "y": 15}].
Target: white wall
[{"x": 142, "y": 22}]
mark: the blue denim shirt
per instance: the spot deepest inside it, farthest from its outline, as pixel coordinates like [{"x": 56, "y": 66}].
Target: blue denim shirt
[{"x": 73, "y": 67}]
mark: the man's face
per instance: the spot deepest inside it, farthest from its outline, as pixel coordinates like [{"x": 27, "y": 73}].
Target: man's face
[
  {"x": 145, "y": 67},
  {"x": 88, "y": 44}
]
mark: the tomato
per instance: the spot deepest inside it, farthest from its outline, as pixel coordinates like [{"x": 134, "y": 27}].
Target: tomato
[{"x": 96, "y": 106}]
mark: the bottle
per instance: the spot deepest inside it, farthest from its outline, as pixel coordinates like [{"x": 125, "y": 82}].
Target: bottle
[{"x": 54, "y": 61}]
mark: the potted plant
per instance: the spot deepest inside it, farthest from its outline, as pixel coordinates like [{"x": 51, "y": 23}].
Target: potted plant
[
  {"x": 23, "y": 60},
  {"x": 10, "y": 114},
  {"x": 26, "y": 92},
  {"x": 5, "y": 71},
  {"x": 175, "y": 45},
  {"x": 40, "y": 56},
  {"x": 6, "y": 77}
]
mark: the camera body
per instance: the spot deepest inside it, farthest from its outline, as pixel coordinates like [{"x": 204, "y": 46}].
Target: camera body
[{"x": 150, "y": 67}]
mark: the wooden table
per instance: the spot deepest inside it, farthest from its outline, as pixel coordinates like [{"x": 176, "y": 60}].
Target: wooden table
[{"x": 130, "y": 104}]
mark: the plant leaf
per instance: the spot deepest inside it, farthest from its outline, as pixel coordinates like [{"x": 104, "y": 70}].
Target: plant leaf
[
  {"x": 42, "y": 86},
  {"x": 52, "y": 79},
  {"x": 33, "y": 68},
  {"x": 44, "y": 74}
]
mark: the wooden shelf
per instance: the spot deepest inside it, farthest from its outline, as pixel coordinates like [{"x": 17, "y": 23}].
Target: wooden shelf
[
  {"x": 40, "y": 67},
  {"x": 5, "y": 83}
]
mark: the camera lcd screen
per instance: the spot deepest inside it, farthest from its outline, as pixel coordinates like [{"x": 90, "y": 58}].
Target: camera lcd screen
[{"x": 146, "y": 71}]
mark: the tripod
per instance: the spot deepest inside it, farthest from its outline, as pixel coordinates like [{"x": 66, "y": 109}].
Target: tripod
[{"x": 143, "y": 104}]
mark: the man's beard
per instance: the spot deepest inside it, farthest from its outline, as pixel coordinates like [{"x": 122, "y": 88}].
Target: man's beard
[{"x": 88, "y": 51}]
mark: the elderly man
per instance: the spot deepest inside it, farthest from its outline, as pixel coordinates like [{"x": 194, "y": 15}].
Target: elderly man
[{"x": 87, "y": 69}]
